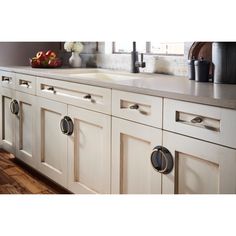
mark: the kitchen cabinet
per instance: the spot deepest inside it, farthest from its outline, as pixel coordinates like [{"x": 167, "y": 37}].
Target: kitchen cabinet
[
  {"x": 79, "y": 159},
  {"x": 25, "y": 128},
  {"x": 51, "y": 142},
  {"x": 7, "y": 120},
  {"x": 89, "y": 151},
  {"x": 132, "y": 145},
  {"x": 91, "y": 139},
  {"x": 18, "y": 127},
  {"x": 199, "y": 167}
]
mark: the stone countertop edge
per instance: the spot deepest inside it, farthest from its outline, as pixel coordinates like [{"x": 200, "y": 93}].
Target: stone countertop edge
[{"x": 167, "y": 86}]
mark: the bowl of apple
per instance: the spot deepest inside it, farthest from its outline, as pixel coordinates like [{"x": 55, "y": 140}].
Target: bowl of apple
[{"x": 47, "y": 59}]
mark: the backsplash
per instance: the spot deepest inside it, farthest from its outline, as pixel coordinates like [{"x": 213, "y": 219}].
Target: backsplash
[{"x": 174, "y": 65}]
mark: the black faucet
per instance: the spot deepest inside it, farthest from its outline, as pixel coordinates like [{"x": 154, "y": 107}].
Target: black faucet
[{"x": 135, "y": 64}]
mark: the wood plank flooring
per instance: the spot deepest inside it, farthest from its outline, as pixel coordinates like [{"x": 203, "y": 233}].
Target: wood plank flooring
[{"x": 16, "y": 178}]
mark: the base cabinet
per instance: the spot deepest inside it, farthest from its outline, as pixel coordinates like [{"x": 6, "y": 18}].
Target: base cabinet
[
  {"x": 25, "y": 128},
  {"x": 200, "y": 167},
  {"x": 7, "y": 120},
  {"x": 89, "y": 152},
  {"x": 132, "y": 144},
  {"x": 51, "y": 142}
]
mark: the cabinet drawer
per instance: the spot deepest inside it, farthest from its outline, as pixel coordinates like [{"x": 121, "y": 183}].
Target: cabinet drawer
[
  {"x": 209, "y": 123},
  {"x": 7, "y": 79},
  {"x": 26, "y": 83},
  {"x": 137, "y": 107},
  {"x": 89, "y": 97}
]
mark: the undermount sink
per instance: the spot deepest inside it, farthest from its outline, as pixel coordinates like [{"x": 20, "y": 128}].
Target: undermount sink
[{"x": 105, "y": 76}]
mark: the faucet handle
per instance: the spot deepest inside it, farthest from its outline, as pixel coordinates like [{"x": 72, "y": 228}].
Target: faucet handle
[{"x": 142, "y": 64}]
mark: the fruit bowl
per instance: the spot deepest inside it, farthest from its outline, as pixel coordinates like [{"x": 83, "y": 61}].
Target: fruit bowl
[
  {"x": 56, "y": 63},
  {"x": 46, "y": 60}
]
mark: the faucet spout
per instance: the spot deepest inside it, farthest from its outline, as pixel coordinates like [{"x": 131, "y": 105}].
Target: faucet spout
[{"x": 135, "y": 64}]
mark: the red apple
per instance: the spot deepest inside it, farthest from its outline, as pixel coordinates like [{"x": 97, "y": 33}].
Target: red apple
[
  {"x": 50, "y": 54},
  {"x": 44, "y": 63},
  {"x": 40, "y": 55},
  {"x": 56, "y": 62},
  {"x": 51, "y": 62},
  {"x": 35, "y": 62}
]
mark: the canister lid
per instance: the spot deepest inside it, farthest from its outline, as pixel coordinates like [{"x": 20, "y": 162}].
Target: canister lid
[
  {"x": 201, "y": 62},
  {"x": 191, "y": 61}
]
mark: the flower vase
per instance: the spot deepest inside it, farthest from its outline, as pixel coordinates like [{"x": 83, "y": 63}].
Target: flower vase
[{"x": 75, "y": 60}]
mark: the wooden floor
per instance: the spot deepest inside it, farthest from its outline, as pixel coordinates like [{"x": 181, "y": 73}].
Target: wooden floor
[{"x": 15, "y": 178}]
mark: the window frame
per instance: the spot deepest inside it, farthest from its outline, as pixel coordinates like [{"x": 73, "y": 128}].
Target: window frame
[{"x": 148, "y": 51}]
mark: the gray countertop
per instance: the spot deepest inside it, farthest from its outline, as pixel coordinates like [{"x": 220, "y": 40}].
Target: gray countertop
[{"x": 221, "y": 95}]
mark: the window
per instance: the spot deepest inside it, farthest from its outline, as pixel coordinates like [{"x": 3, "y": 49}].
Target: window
[
  {"x": 162, "y": 48},
  {"x": 126, "y": 47}
]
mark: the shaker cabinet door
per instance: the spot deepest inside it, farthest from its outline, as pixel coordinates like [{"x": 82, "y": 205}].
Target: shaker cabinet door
[
  {"x": 7, "y": 120},
  {"x": 89, "y": 151},
  {"x": 25, "y": 128},
  {"x": 132, "y": 145},
  {"x": 51, "y": 142},
  {"x": 199, "y": 167}
]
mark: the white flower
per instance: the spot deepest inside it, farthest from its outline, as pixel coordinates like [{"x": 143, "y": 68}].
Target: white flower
[
  {"x": 73, "y": 47},
  {"x": 68, "y": 46}
]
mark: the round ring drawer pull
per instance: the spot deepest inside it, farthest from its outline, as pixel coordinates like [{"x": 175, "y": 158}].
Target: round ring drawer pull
[
  {"x": 162, "y": 160},
  {"x": 14, "y": 107},
  {"x": 67, "y": 125}
]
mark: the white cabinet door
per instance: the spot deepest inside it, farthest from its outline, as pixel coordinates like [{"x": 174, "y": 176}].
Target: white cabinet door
[
  {"x": 200, "y": 167},
  {"x": 51, "y": 142},
  {"x": 25, "y": 128},
  {"x": 89, "y": 151},
  {"x": 7, "y": 121},
  {"x": 132, "y": 145}
]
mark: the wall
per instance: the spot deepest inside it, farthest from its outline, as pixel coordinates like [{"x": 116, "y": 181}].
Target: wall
[{"x": 18, "y": 53}]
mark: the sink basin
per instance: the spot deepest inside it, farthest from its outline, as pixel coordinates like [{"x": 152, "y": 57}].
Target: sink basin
[{"x": 105, "y": 76}]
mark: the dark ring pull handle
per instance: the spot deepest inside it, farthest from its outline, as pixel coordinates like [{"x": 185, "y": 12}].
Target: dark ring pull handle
[
  {"x": 135, "y": 107},
  {"x": 14, "y": 107},
  {"x": 197, "y": 120},
  {"x": 67, "y": 125},
  {"x": 162, "y": 160}
]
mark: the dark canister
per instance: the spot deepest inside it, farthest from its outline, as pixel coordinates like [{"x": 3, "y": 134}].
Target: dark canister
[
  {"x": 202, "y": 68},
  {"x": 224, "y": 58},
  {"x": 191, "y": 69}
]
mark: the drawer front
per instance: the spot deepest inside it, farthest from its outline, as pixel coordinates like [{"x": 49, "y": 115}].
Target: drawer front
[
  {"x": 137, "y": 107},
  {"x": 89, "y": 97},
  {"x": 26, "y": 83},
  {"x": 7, "y": 79},
  {"x": 209, "y": 123}
]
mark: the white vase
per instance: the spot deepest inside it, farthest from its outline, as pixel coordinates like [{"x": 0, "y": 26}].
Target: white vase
[{"x": 75, "y": 60}]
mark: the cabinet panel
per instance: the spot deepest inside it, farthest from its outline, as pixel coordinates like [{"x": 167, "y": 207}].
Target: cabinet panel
[
  {"x": 89, "y": 152},
  {"x": 208, "y": 123},
  {"x": 26, "y": 83},
  {"x": 7, "y": 121},
  {"x": 25, "y": 128},
  {"x": 132, "y": 145},
  {"x": 137, "y": 107},
  {"x": 196, "y": 175},
  {"x": 86, "y": 96},
  {"x": 51, "y": 142},
  {"x": 200, "y": 167},
  {"x": 7, "y": 79}
]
